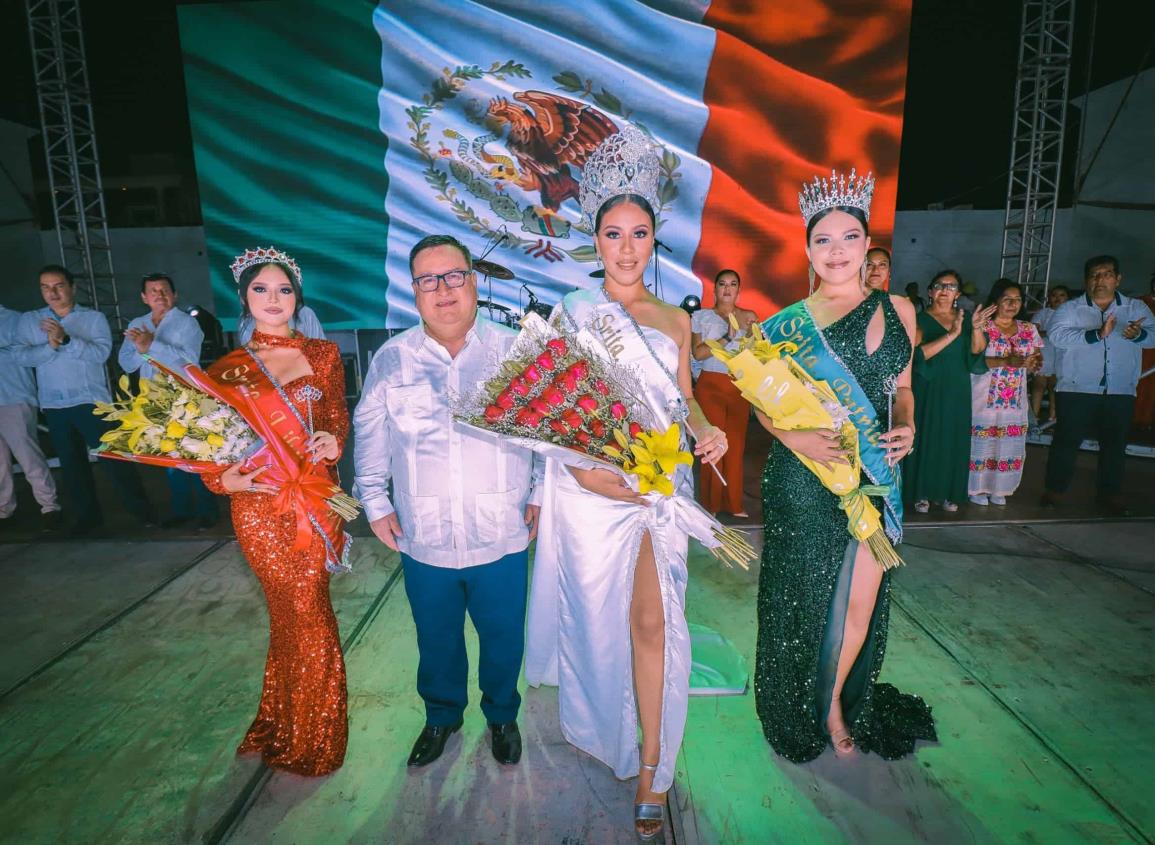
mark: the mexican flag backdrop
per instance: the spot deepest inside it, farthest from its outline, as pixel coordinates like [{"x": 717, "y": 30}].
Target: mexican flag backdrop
[{"x": 343, "y": 132}]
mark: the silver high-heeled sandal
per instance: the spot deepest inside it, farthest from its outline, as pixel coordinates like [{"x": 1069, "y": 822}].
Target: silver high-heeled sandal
[{"x": 650, "y": 812}]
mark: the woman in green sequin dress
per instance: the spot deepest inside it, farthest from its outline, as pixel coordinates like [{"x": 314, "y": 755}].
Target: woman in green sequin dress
[{"x": 823, "y": 602}]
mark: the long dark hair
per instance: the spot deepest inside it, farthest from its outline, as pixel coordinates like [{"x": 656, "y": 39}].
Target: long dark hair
[{"x": 250, "y": 273}]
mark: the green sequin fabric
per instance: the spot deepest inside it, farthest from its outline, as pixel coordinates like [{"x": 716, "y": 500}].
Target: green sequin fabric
[{"x": 805, "y": 544}]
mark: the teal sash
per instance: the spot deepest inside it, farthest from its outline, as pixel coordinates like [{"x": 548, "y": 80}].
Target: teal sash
[{"x": 795, "y": 324}]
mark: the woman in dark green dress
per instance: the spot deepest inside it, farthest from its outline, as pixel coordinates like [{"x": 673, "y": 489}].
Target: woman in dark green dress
[
  {"x": 823, "y": 601},
  {"x": 949, "y": 344}
]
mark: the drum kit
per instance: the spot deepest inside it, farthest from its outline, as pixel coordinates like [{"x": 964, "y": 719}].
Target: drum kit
[{"x": 490, "y": 270}]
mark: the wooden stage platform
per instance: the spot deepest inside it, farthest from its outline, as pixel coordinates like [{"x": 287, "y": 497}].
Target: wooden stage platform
[{"x": 129, "y": 670}]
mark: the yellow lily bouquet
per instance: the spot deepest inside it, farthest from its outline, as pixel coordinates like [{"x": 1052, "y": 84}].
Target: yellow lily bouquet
[
  {"x": 650, "y": 457},
  {"x": 773, "y": 382},
  {"x": 172, "y": 424}
]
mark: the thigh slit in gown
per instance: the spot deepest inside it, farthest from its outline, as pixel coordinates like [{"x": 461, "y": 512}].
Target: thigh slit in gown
[
  {"x": 579, "y": 617},
  {"x": 808, "y": 561}
]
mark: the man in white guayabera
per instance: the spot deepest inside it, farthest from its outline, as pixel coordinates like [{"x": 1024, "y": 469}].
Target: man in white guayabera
[{"x": 464, "y": 506}]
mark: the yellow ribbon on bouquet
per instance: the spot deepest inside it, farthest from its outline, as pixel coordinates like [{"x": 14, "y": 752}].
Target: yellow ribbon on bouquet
[{"x": 773, "y": 382}]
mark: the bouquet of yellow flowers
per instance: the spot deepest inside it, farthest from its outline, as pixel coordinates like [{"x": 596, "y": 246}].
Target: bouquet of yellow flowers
[
  {"x": 173, "y": 424},
  {"x": 185, "y": 423},
  {"x": 777, "y": 385}
]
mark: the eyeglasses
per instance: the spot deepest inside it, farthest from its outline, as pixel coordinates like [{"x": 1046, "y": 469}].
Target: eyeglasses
[
  {"x": 941, "y": 286},
  {"x": 432, "y": 281}
]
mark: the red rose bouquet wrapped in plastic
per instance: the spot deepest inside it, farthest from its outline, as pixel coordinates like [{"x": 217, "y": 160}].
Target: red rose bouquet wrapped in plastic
[{"x": 560, "y": 398}]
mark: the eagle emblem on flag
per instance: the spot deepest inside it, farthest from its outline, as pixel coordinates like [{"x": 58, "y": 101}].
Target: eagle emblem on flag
[{"x": 511, "y": 162}]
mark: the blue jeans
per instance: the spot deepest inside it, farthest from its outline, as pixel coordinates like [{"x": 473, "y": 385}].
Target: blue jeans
[{"x": 494, "y": 594}]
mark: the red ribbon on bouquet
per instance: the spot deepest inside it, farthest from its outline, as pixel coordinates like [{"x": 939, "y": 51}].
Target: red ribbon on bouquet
[{"x": 305, "y": 486}]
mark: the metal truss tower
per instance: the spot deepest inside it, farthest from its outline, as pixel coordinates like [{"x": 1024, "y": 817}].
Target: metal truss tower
[
  {"x": 70, "y": 151},
  {"x": 1037, "y": 143}
]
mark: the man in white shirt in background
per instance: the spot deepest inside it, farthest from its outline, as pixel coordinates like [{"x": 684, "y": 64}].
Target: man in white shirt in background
[
  {"x": 174, "y": 338},
  {"x": 1102, "y": 335},
  {"x": 18, "y": 437},
  {"x": 1043, "y": 382},
  {"x": 464, "y": 508},
  {"x": 69, "y": 344}
]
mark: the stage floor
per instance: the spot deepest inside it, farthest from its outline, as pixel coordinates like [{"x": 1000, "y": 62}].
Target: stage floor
[{"x": 130, "y": 670}]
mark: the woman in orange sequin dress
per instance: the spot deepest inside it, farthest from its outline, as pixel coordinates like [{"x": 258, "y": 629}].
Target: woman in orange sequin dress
[{"x": 298, "y": 383}]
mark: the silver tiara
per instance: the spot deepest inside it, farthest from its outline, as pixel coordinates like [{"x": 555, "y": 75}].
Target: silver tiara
[
  {"x": 263, "y": 255},
  {"x": 850, "y": 192},
  {"x": 624, "y": 163}
]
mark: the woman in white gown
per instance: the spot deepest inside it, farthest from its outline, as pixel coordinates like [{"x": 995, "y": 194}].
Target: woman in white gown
[{"x": 607, "y": 622}]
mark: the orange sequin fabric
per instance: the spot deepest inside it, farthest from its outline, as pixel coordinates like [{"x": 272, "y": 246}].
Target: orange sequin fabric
[{"x": 301, "y": 724}]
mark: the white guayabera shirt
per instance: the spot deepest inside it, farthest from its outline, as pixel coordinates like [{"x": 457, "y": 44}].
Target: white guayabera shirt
[
  {"x": 72, "y": 374},
  {"x": 176, "y": 342},
  {"x": 460, "y": 496}
]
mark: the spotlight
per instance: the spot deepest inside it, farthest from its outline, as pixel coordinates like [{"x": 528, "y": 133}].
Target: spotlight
[{"x": 691, "y": 304}]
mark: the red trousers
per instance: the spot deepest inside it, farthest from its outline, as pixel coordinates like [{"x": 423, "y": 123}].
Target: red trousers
[{"x": 724, "y": 407}]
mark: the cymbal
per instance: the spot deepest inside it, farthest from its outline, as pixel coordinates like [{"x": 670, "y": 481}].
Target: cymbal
[
  {"x": 493, "y": 306},
  {"x": 598, "y": 274},
  {"x": 492, "y": 270}
]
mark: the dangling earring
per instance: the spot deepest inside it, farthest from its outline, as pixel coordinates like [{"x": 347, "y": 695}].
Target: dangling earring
[
  {"x": 810, "y": 273},
  {"x": 862, "y": 278}
]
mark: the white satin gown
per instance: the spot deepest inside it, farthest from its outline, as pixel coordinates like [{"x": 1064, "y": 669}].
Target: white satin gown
[{"x": 583, "y": 577}]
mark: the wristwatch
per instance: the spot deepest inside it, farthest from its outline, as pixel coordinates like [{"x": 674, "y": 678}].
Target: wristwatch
[{"x": 67, "y": 340}]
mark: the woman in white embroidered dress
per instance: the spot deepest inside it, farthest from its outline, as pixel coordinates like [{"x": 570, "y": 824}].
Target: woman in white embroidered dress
[
  {"x": 607, "y": 611},
  {"x": 999, "y": 399}
]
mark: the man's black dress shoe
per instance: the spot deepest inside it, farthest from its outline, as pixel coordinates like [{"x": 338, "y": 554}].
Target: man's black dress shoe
[
  {"x": 505, "y": 740},
  {"x": 431, "y": 743}
]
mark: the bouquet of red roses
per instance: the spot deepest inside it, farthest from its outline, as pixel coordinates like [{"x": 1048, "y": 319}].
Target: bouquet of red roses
[
  {"x": 561, "y": 398},
  {"x": 553, "y": 391}
]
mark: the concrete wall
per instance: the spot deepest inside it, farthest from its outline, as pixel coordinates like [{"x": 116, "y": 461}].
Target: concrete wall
[
  {"x": 20, "y": 250},
  {"x": 179, "y": 252},
  {"x": 970, "y": 241}
]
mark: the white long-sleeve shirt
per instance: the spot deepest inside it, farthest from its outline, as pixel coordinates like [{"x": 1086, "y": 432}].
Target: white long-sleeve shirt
[
  {"x": 459, "y": 495},
  {"x": 72, "y": 374},
  {"x": 17, "y": 387},
  {"x": 176, "y": 342},
  {"x": 1092, "y": 364}
]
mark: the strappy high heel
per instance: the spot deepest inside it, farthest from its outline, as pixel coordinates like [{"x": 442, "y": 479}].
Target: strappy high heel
[{"x": 650, "y": 812}]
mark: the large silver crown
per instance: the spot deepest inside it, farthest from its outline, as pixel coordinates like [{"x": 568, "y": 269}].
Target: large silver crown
[
  {"x": 850, "y": 192},
  {"x": 624, "y": 163}
]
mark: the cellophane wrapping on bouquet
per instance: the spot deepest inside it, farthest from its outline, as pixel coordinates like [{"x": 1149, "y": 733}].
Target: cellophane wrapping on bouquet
[
  {"x": 184, "y": 420},
  {"x": 771, "y": 380},
  {"x": 555, "y": 394}
]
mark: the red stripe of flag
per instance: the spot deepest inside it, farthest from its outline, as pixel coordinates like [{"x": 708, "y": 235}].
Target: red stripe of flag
[{"x": 792, "y": 92}]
